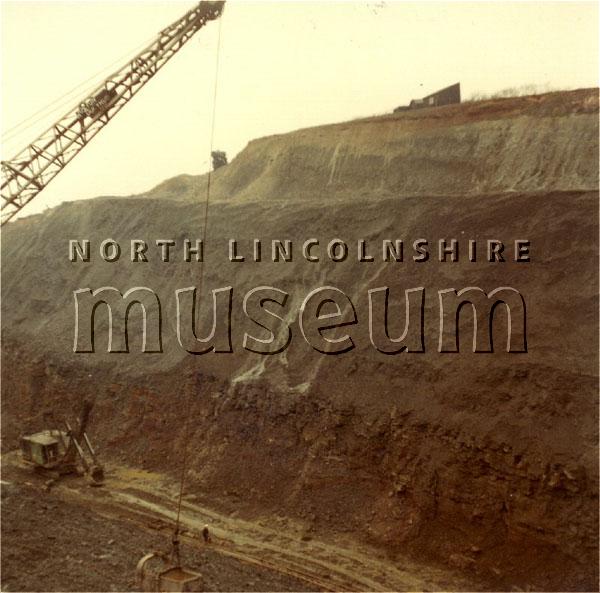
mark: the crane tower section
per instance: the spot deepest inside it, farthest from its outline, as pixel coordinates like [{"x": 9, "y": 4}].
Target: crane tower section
[{"x": 29, "y": 172}]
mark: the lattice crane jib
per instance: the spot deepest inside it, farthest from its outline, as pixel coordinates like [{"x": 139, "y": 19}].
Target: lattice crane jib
[{"x": 26, "y": 174}]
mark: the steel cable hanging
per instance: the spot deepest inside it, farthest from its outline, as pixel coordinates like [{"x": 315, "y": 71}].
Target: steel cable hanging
[{"x": 201, "y": 284}]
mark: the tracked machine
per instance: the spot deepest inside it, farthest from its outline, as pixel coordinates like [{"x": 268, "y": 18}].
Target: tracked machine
[{"x": 58, "y": 452}]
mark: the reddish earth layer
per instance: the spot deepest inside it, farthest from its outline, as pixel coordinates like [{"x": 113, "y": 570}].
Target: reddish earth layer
[{"x": 485, "y": 462}]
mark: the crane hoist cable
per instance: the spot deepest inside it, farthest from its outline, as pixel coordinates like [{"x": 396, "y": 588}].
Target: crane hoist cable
[{"x": 190, "y": 399}]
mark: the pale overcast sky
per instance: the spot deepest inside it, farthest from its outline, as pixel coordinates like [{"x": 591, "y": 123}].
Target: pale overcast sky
[{"x": 283, "y": 66}]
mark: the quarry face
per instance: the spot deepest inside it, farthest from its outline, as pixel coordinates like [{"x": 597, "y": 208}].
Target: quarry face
[{"x": 398, "y": 441}]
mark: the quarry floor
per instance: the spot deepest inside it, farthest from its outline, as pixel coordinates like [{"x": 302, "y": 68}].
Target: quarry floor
[
  {"x": 476, "y": 464},
  {"x": 75, "y": 537}
]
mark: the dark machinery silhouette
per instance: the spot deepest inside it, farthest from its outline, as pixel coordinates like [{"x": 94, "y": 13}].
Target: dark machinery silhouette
[{"x": 59, "y": 452}]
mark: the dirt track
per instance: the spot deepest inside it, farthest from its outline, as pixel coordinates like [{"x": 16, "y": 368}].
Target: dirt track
[{"x": 274, "y": 553}]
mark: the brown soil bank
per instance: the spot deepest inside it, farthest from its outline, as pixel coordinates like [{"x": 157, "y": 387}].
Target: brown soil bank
[{"x": 484, "y": 461}]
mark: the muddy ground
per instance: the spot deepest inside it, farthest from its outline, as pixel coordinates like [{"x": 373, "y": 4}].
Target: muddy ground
[
  {"x": 72, "y": 536},
  {"x": 59, "y": 543}
]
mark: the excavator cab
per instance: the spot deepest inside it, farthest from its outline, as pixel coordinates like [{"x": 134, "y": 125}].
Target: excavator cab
[{"x": 43, "y": 449}]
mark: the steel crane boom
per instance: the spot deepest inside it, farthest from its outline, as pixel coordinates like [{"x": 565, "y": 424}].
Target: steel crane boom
[{"x": 29, "y": 172}]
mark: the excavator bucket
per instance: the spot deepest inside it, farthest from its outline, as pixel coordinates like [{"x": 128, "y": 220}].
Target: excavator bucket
[
  {"x": 97, "y": 475},
  {"x": 178, "y": 578},
  {"x": 154, "y": 573}
]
